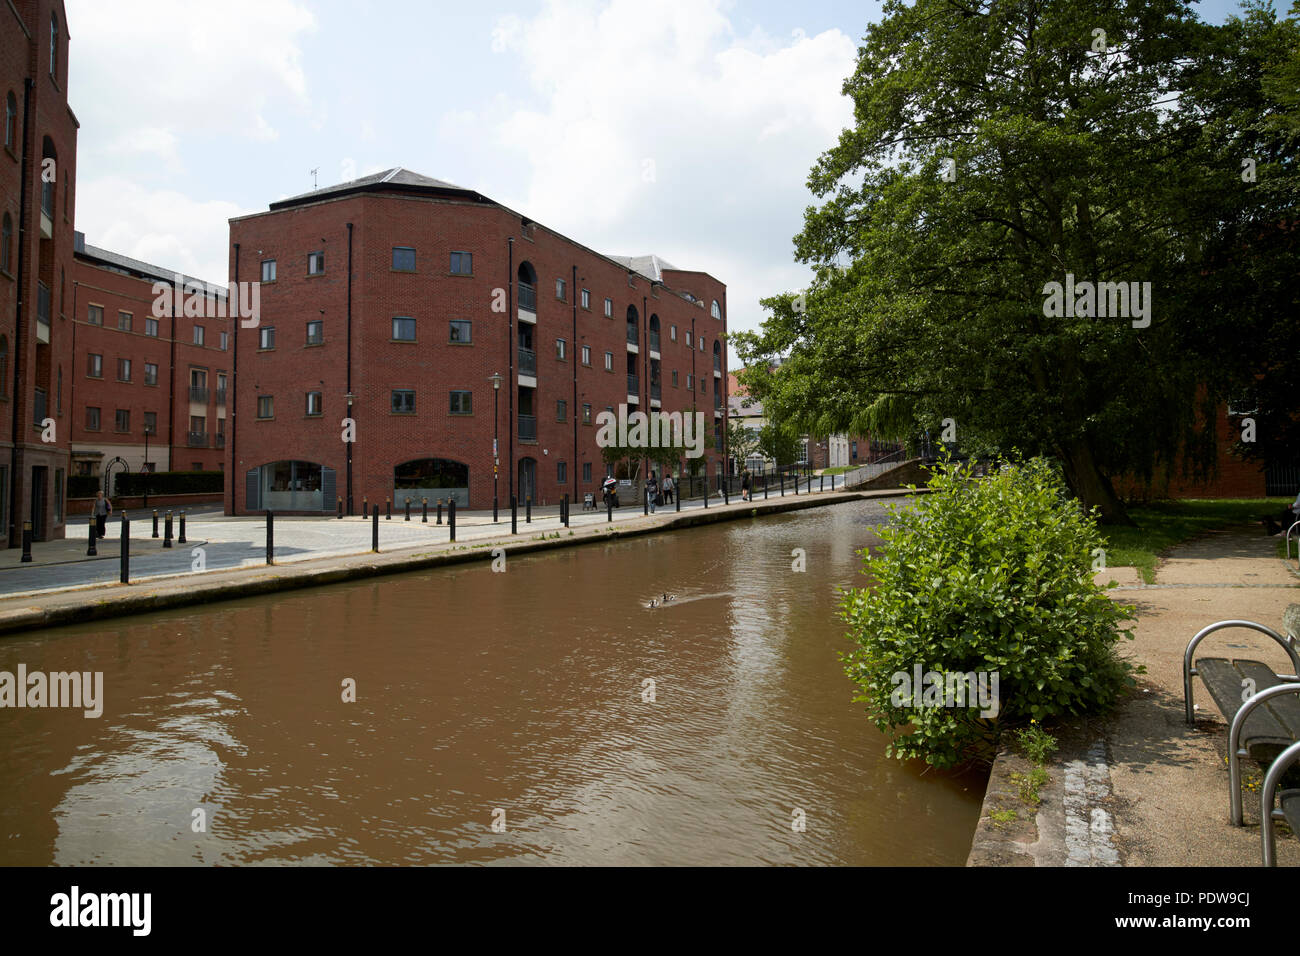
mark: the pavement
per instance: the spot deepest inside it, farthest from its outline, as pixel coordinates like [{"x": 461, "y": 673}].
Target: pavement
[
  {"x": 1140, "y": 787},
  {"x": 217, "y": 543}
]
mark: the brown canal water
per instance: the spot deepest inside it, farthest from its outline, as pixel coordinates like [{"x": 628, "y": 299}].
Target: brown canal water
[{"x": 516, "y": 698}]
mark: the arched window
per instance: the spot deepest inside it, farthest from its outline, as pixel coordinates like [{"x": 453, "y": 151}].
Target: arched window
[
  {"x": 717, "y": 356},
  {"x": 6, "y": 243},
  {"x": 4, "y": 366},
  {"x": 654, "y": 333},
  {"x": 633, "y": 325},
  {"x": 54, "y": 45},
  {"x": 11, "y": 120},
  {"x": 527, "y": 286},
  {"x": 47, "y": 186},
  {"x": 716, "y": 310}
]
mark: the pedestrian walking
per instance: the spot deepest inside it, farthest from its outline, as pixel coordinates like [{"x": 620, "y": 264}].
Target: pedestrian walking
[
  {"x": 745, "y": 485},
  {"x": 652, "y": 491},
  {"x": 668, "y": 488},
  {"x": 102, "y": 509}
]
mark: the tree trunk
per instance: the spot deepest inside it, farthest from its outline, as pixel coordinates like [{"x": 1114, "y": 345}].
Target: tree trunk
[{"x": 1089, "y": 485}]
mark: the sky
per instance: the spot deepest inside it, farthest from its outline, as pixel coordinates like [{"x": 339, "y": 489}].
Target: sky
[{"x": 684, "y": 128}]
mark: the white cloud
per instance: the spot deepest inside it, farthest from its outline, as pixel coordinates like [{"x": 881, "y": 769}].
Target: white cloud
[
  {"x": 161, "y": 227},
  {"x": 731, "y": 126}
]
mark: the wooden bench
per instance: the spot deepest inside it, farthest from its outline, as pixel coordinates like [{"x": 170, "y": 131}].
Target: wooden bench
[
  {"x": 1263, "y": 708},
  {"x": 1288, "y": 802}
]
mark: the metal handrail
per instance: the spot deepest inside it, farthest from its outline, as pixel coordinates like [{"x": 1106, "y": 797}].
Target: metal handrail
[
  {"x": 1296, "y": 528},
  {"x": 1267, "y": 814},
  {"x": 1189, "y": 671},
  {"x": 1235, "y": 752}
]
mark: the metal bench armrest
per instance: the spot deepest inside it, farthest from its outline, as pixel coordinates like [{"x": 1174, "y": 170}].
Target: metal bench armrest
[
  {"x": 1189, "y": 671},
  {"x": 1269, "y": 791},
  {"x": 1234, "y": 742}
]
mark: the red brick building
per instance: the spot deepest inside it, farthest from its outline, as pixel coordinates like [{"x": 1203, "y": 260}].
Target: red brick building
[
  {"x": 390, "y": 302},
  {"x": 37, "y": 169},
  {"x": 152, "y": 353}
]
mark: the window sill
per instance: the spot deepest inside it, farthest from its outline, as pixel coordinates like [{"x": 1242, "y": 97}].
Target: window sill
[
  {"x": 272, "y": 349},
  {"x": 314, "y": 275},
  {"x": 409, "y": 272},
  {"x": 259, "y": 418},
  {"x": 460, "y": 343},
  {"x": 460, "y": 275},
  {"x": 460, "y": 414},
  {"x": 97, "y": 378},
  {"x": 267, "y": 281},
  {"x": 403, "y": 414},
  {"x": 314, "y": 415},
  {"x": 402, "y": 342},
  {"x": 309, "y": 345}
]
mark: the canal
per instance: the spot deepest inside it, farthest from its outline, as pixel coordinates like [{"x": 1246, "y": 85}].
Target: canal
[{"x": 500, "y": 717}]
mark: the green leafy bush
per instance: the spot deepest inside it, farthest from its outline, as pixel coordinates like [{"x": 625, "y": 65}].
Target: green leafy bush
[{"x": 989, "y": 575}]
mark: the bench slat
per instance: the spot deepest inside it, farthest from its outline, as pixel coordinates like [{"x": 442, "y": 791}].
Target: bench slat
[
  {"x": 1285, "y": 707},
  {"x": 1223, "y": 679},
  {"x": 1290, "y": 804}
]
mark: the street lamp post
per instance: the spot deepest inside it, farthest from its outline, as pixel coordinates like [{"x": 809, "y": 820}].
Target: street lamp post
[
  {"x": 147, "y": 430},
  {"x": 495, "y": 379}
]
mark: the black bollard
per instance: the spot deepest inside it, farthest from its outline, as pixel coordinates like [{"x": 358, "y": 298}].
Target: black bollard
[
  {"x": 821, "y": 484},
  {"x": 439, "y": 511},
  {"x": 494, "y": 509},
  {"x": 340, "y": 507},
  {"x": 609, "y": 509},
  {"x": 365, "y": 507},
  {"x": 645, "y": 502},
  {"x": 90, "y": 551},
  {"x": 424, "y": 511},
  {"x": 27, "y": 540},
  {"x": 783, "y": 484},
  {"x": 528, "y": 510},
  {"x": 796, "y": 483},
  {"x": 564, "y": 509},
  {"x": 374, "y": 531},
  {"x": 388, "y": 508},
  {"x": 167, "y": 531},
  {"x": 408, "y": 507},
  {"x": 451, "y": 519},
  {"x": 832, "y": 482},
  {"x": 765, "y": 486},
  {"x": 125, "y": 576},
  {"x": 514, "y": 515},
  {"x": 706, "y": 490},
  {"x": 181, "y": 539},
  {"x": 677, "y": 496},
  {"x": 270, "y": 537},
  {"x": 155, "y": 522},
  {"x": 726, "y": 492}
]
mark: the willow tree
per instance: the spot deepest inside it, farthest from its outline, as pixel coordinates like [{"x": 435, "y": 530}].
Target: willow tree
[{"x": 999, "y": 148}]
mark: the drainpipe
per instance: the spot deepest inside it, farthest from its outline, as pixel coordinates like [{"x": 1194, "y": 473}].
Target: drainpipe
[
  {"x": 577, "y": 354},
  {"x": 645, "y": 373},
  {"x": 232, "y": 400},
  {"x": 171, "y": 378},
  {"x": 19, "y": 364},
  {"x": 510, "y": 356},
  {"x": 351, "y": 408}
]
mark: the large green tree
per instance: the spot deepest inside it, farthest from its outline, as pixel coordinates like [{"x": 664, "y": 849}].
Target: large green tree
[{"x": 1000, "y": 147}]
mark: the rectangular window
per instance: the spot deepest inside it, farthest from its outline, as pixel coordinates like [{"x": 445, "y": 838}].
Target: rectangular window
[
  {"x": 561, "y": 289},
  {"x": 609, "y": 308},
  {"x": 403, "y": 259},
  {"x": 266, "y": 337},
  {"x": 225, "y": 342},
  {"x": 688, "y": 338},
  {"x": 704, "y": 387},
  {"x": 586, "y": 355},
  {"x": 461, "y": 403},
  {"x": 124, "y": 321},
  {"x": 198, "y": 428},
  {"x": 609, "y": 361},
  {"x": 95, "y": 314},
  {"x": 462, "y": 264},
  {"x": 316, "y": 332},
  {"x": 94, "y": 365},
  {"x": 122, "y": 420},
  {"x": 672, "y": 333},
  {"x": 314, "y": 403},
  {"x": 265, "y": 406},
  {"x": 315, "y": 263},
  {"x": 586, "y": 472},
  {"x": 403, "y": 329},
  {"x": 460, "y": 332},
  {"x": 674, "y": 378},
  {"x": 151, "y": 423},
  {"x": 124, "y": 370},
  {"x": 560, "y": 349},
  {"x": 198, "y": 335},
  {"x": 151, "y": 328},
  {"x": 404, "y": 401},
  {"x": 690, "y": 381},
  {"x": 561, "y": 472},
  {"x": 561, "y": 410},
  {"x": 586, "y": 298},
  {"x": 268, "y": 270},
  {"x": 92, "y": 419},
  {"x": 586, "y": 413}
]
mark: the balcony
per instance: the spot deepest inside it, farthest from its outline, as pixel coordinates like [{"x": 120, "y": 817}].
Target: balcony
[
  {"x": 527, "y": 297},
  {"x": 221, "y": 396},
  {"x": 527, "y": 362},
  {"x": 717, "y": 363},
  {"x": 654, "y": 341},
  {"x": 655, "y": 388},
  {"x": 632, "y": 338},
  {"x": 632, "y": 385},
  {"x": 717, "y": 401},
  {"x": 199, "y": 394},
  {"x": 38, "y": 407},
  {"x": 196, "y": 439},
  {"x": 220, "y": 441},
  {"x": 527, "y": 427}
]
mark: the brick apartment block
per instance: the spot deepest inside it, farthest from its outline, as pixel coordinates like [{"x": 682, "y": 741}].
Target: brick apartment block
[
  {"x": 37, "y": 169},
  {"x": 392, "y": 300}
]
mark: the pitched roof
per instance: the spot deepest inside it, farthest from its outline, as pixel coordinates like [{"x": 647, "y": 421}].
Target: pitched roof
[
  {"x": 651, "y": 266},
  {"x": 136, "y": 267},
  {"x": 395, "y": 178}
]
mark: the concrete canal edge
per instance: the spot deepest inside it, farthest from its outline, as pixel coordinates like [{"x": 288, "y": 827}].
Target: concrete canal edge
[{"x": 25, "y": 613}]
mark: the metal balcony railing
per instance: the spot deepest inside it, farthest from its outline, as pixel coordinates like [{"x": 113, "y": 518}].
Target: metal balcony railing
[
  {"x": 527, "y": 362},
  {"x": 655, "y": 389},
  {"x": 632, "y": 338},
  {"x": 527, "y": 427},
  {"x": 527, "y": 297},
  {"x": 654, "y": 341},
  {"x": 221, "y": 396},
  {"x": 199, "y": 393},
  {"x": 632, "y": 385},
  {"x": 219, "y": 441},
  {"x": 197, "y": 439},
  {"x": 717, "y": 363}
]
